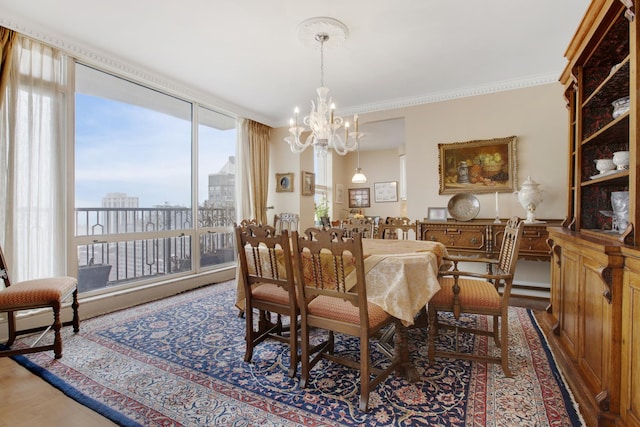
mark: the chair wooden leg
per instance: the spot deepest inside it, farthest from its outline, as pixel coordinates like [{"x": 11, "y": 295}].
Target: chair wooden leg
[
  {"x": 504, "y": 330},
  {"x": 433, "y": 330},
  {"x": 76, "y": 317},
  {"x": 57, "y": 338},
  {"x": 496, "y": 332},
  {"x": 293, "y": 345},
  {"x": 304, "y": 356},
  {"x": 365, "y": 374},
  {"x": 11, "y": 323},
  {"x": 248, "y": 335}
]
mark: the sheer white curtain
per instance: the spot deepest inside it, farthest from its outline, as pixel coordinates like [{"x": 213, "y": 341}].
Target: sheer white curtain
[
  {"x": 32, "y": 160},
  {"x": 243, "y": 172}
]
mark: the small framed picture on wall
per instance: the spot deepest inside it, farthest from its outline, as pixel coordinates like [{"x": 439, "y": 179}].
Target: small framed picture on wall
[
  {"x": 308, "y": 183},
  {"x": 359, "y": 198},
  {"x": 284, "y": 182}
]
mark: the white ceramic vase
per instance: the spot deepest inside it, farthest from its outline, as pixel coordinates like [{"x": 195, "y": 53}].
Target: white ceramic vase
[
  {"x": 530, "y": 197},
  {"x": 621, "y": 160}
]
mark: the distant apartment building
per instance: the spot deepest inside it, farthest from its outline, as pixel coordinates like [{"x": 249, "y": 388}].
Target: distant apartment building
[
  {"x": 118, "y": 221},
  {"x": 119, "y": 200},
  {"x": 222, "y": 186}
]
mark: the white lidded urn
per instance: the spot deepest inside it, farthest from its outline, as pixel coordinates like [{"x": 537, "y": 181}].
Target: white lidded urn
[{"x": 530, "y": 197}]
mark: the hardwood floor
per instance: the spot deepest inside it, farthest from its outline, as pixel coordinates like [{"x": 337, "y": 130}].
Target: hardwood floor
[{"x": 27, "y": 400}]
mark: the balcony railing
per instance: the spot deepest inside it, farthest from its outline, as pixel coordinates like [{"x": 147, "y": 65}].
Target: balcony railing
[{"x": 123, "y": 245}]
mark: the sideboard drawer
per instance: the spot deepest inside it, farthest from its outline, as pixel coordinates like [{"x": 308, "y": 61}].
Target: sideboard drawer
[
  {"x": 533, "y": 243},
  {"x": 456, "y": 237}
]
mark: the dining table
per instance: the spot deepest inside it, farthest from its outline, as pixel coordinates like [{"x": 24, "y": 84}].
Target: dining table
[{"x": 401, "y": 277}]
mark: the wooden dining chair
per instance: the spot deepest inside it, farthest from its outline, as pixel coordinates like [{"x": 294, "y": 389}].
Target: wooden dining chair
[
  {"x": 327, "y": 264},
  {"x": 49, "y": 293},
  {"x": 286, "y": 221},
  {"x": 480, "y": 294},
  {"x": 398, "y": 228},
  {"x": 362, "y": 226},
  {"x": 266, "y": 269},
  {"x": 246, "y": 222}
]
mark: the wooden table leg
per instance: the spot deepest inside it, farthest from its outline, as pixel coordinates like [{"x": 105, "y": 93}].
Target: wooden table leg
[{"x": 406, "y": 370}]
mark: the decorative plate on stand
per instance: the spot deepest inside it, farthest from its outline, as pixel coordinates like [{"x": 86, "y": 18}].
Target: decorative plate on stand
[{"x": 463, "y": 207}]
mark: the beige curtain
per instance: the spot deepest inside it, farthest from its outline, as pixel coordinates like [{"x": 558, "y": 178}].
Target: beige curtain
[
  {"x": 253, "y": 171},
  {"x": 7, "y": 40}
]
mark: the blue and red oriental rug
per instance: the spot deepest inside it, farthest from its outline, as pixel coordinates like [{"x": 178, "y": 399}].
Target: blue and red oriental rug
[{"x": 179, "y": 362}]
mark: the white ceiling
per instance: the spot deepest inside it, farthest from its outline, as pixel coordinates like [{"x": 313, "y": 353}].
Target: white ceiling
[{"x": 245, "y": 55}]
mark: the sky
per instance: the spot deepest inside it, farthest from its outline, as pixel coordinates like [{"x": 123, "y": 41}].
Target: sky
[{"x": 129, "y": 149}]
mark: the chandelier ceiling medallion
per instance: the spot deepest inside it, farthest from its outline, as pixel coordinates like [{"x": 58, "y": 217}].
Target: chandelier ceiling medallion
[{"x": 322, "y": 122}]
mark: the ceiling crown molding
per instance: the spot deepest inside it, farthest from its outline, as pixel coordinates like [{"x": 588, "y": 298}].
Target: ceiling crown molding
[
  {"x": 536, "y": 80},
  {"x": 127, "y": 69}
]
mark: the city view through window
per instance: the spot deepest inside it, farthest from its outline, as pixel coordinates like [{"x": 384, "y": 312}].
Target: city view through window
[{"x": 141, "y": 177}]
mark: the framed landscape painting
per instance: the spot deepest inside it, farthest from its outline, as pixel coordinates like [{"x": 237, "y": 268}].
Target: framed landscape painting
[{"x": 482, "y": 166}]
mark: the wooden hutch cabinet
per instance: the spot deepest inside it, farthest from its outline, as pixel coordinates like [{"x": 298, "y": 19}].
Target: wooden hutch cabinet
[{"x": 592, "y": 321}]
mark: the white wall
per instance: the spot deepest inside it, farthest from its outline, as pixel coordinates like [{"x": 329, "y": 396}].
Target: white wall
[{"x": 537, "y": 116}]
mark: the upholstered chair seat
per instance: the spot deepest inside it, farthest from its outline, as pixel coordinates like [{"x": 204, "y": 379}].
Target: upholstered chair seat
[{"x": 34, "y": 294}]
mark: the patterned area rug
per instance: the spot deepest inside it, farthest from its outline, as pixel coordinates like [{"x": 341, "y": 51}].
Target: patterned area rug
[{"x": 179, "y": 361}]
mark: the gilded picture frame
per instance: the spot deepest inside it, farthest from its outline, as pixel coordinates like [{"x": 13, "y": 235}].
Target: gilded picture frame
[
  {"x": 284, "y": 182},
  {"x": 480, "y": 166},
  {"x": 308, "y": 183}
]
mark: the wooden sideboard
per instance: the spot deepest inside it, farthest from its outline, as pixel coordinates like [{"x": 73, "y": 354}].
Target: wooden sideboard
[{"x": 483, "y": 237}]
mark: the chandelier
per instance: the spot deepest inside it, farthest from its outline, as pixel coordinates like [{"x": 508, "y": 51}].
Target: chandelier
[{"x": 322, "y": 122}]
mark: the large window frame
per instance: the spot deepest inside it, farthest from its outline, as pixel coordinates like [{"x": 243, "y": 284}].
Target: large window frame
[{"x": 186, "y": 249}]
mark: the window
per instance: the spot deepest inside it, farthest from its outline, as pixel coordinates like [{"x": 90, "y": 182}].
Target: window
[
  {"x": 322, "y": 169},
  {"x": 143, "y": 172}
]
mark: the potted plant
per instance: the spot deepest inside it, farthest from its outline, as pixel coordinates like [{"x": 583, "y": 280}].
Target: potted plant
[{"x": 322, "y": 211}]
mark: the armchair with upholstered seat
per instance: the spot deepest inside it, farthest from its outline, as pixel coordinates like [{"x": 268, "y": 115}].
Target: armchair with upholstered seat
[
  {"x": 330, "y": 279},
  {"x": 266, "y": 272},
  {"x": 50, "y": 293},
  {"x": 480, "y": 294}
]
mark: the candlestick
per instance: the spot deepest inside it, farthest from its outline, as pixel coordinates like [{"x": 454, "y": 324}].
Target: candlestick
[
  {"x": 497, "y": 220},
  {"x": 346, "y": 131}
]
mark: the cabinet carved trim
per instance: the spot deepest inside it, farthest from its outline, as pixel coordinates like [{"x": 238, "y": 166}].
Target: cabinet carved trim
[
  {"x": 606, "y": 274},
  {"x": 603, "y": 400}
]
